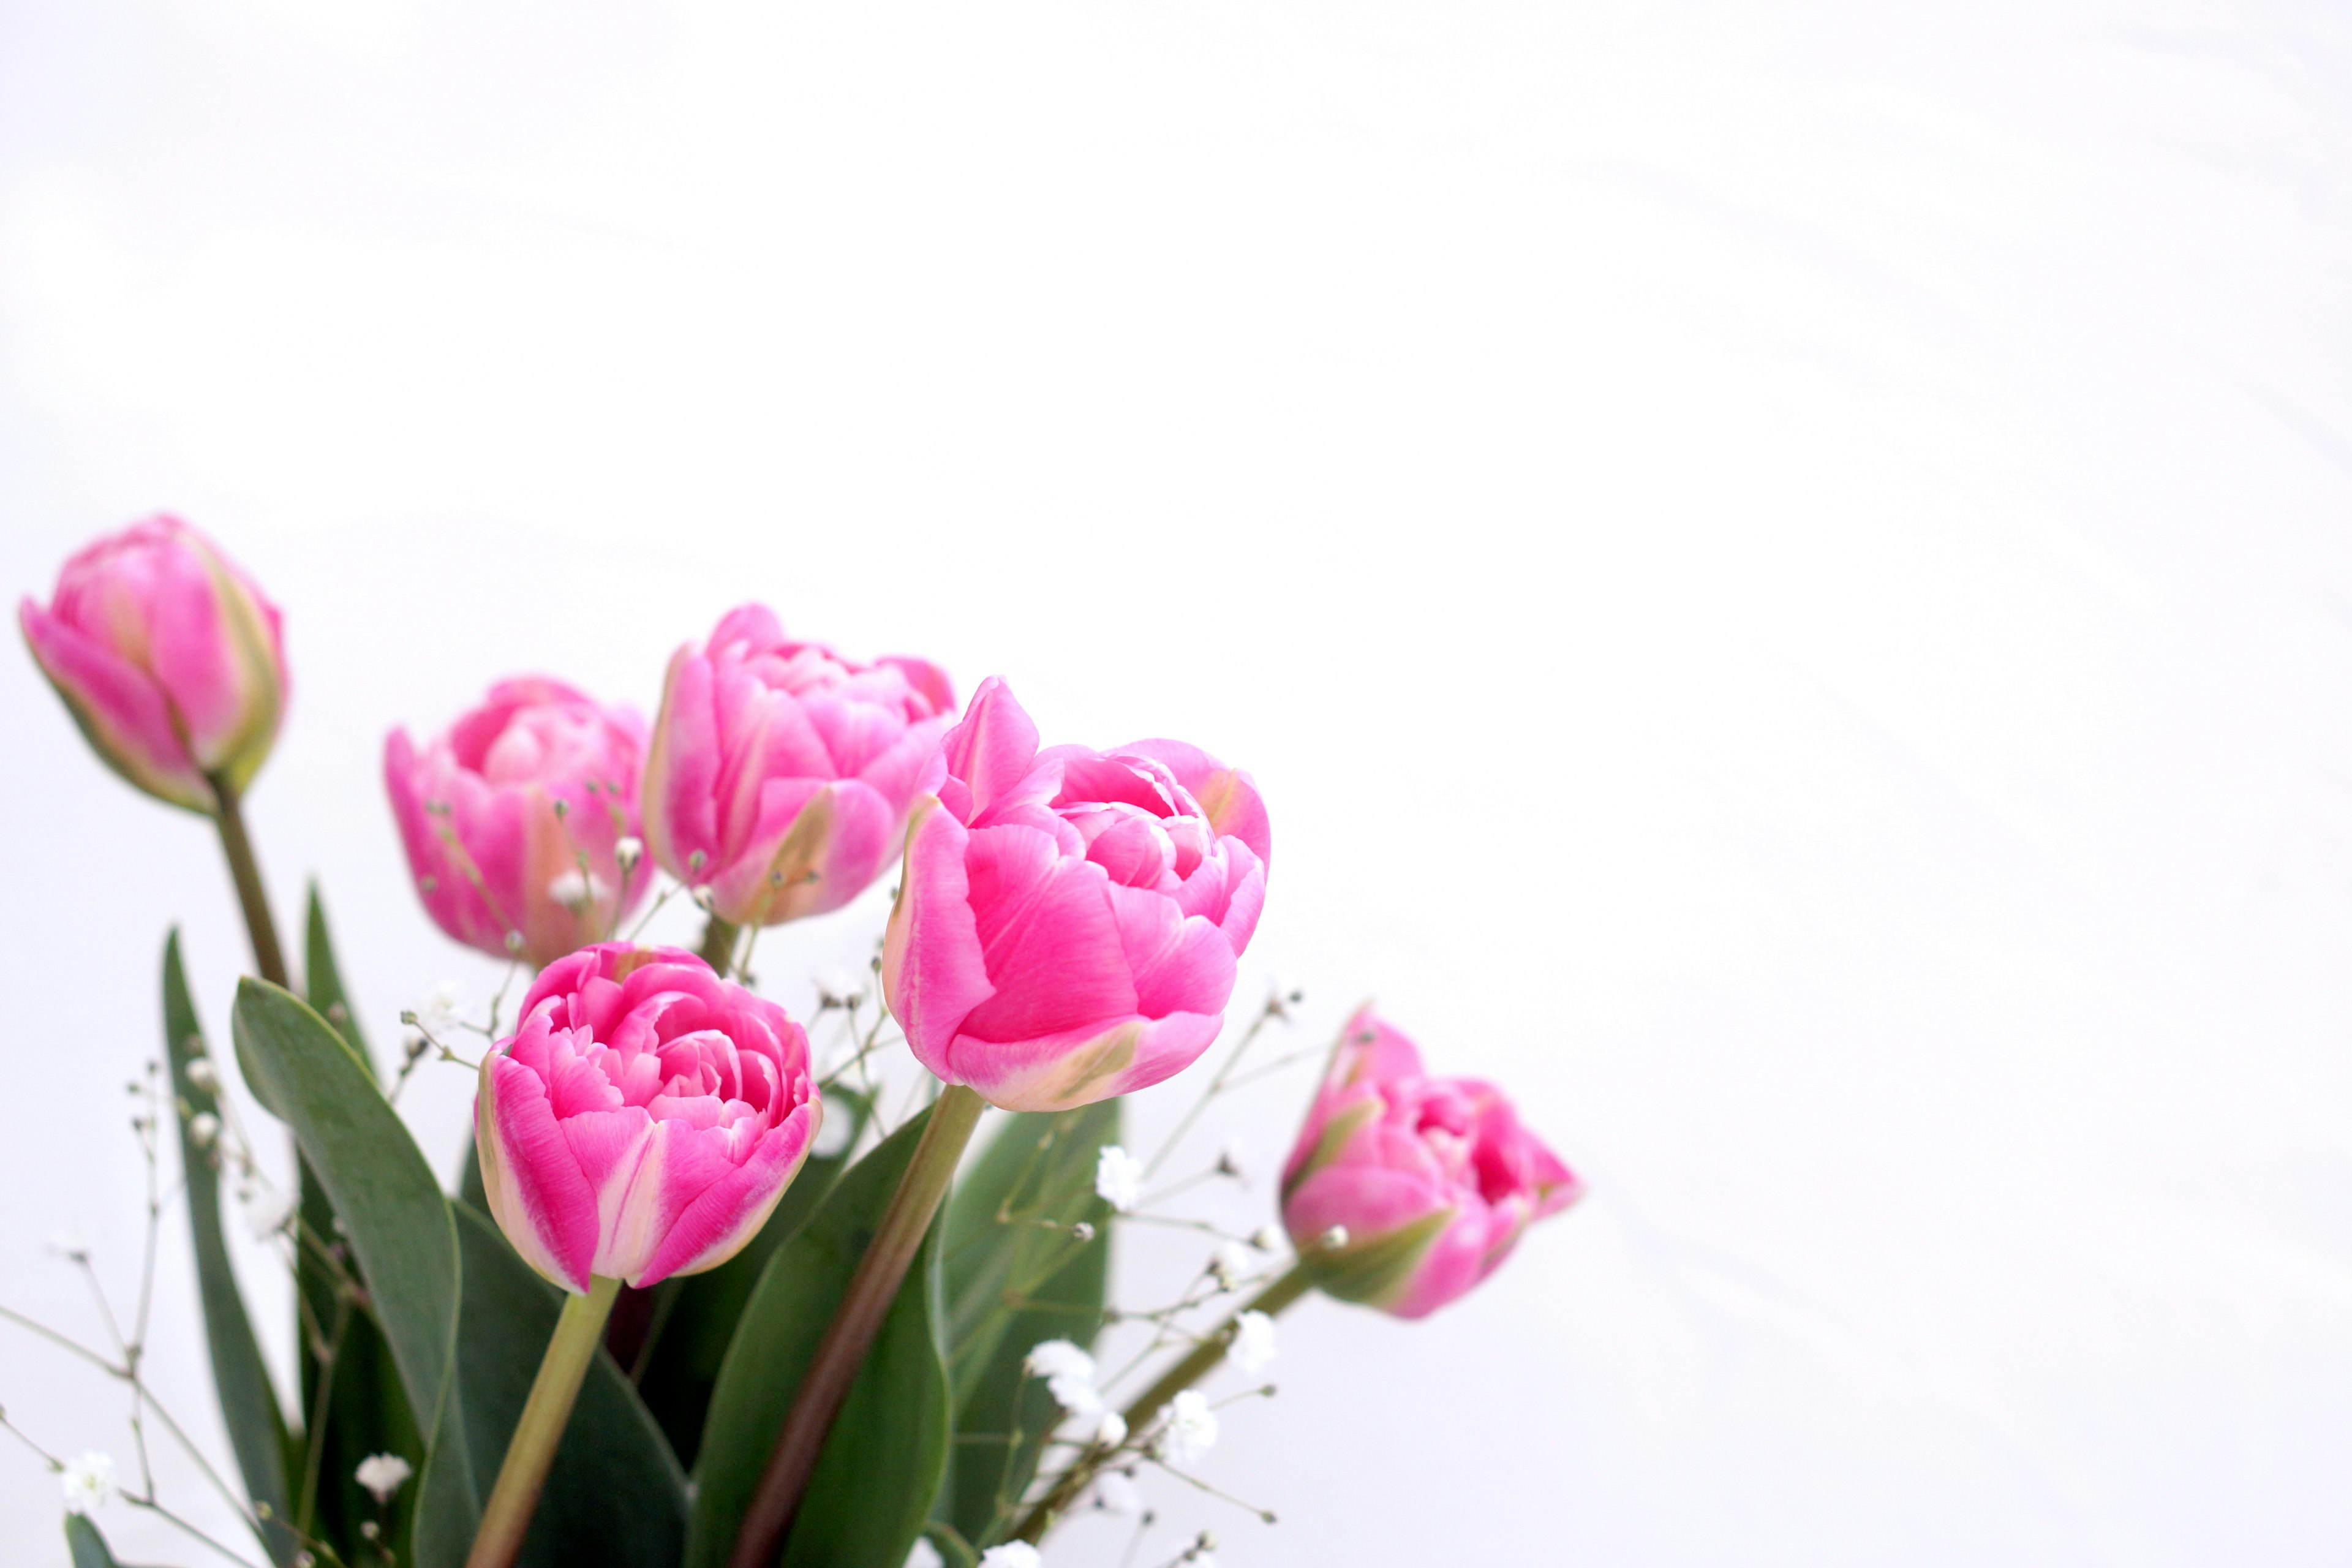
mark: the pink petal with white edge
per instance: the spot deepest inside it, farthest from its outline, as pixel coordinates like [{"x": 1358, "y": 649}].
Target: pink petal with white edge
[
  {"x": 716, "y": 1222},
  {"x": 536, "y": 1192}
]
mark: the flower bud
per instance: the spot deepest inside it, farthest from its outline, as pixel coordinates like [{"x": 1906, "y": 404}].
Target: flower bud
[
  {"x": 515, "y": 818},
  {"x": 780, "y": 773},
  {"x": 643, "y": 1118},
  {"x": 1404, "y": 1191},
  {"x": 168, "y": 657},
  {"x": 1068, "y": 921}
]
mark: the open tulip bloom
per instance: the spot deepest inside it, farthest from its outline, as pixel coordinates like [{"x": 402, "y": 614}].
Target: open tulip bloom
[{"x": 749, "y": 1350}]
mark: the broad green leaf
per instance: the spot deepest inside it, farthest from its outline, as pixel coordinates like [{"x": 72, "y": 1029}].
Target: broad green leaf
[
  {"x": 399, "y": 1227},
  {"x": 365, "y": 1412},
  {"x": 87, "y": 1546},
  {"x": 322, "y": 982},
  {"x": 695, "y": 1317},
  {"x": 615, "y": 1496},
  {"x": 880, "y": 1469},
  {"x": 1018, "y": 1276},
  {"x": 249, "y": 1401}
]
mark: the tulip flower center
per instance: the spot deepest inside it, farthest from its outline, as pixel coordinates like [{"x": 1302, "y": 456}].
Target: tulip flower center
[{"x": 1139, "y": 825}]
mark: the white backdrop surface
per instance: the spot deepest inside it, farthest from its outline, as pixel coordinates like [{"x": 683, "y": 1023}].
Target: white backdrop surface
[{"x": 1786, "y": 572}]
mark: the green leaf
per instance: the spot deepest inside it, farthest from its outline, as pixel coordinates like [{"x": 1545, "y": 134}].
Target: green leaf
[
  {"x": 249, "y": 1401},
  {"x": 615, "y": 1495},
  {"x": 1016, "y": 1276},
  {"x": 874, "y": 1483},
  {"x": 87, "y": 1546},
  {"x": 398, "y": 1225},
  {"x": 880, "y": 1471},
  {"x": 322, "y": 982},
  {"x": 695, "y": 1317},
  {"x": 366, "y": 1412}
]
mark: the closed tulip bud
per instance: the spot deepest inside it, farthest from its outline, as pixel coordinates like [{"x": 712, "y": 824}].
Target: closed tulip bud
[
  {"x": 643, "y": 1118},
  {"x": 1404, "y": 1191},
  {"x": 1068, "y": 919},
  {"x": 780, "y": 773},
  {"x": 168, "y": 657},
  {"x": 515, "y": 819}
]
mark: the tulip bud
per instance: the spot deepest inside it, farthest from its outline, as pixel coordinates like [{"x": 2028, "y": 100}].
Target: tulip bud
[
  {"x": 1068, "y": 919},
  {"x": 515, "y": 819},
  {"x": 780, "y": 773},
  {"x": 168, "y": 657},
  {"x": 643, "y": 1118},
  {"x": 1404, "y": 1191}
]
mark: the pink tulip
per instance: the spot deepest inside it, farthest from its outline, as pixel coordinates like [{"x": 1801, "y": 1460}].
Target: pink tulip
[
  {"x": 780, "y": 772},
  {"x": 514, "y": 819},
  {"x": 169, "y": 659},
  {"x": 1068, "y": 922},
  {"x": 643, "y": 1118},
  {"x": 1430, "y": 1180}
]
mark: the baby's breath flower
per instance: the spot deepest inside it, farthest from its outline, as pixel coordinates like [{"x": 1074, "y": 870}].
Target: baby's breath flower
[
  {"x": 88, "y": 1483},
  {"x": 1070, "y": 1374},
  {"x": 1118, "y": 1177},
  {"x": 383, "y": 1475},
  {"x": 1190, "y": 1428},
  {"x": 1253, "y": 1349}
]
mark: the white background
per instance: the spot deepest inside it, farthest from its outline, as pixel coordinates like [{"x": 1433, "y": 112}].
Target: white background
[{"x": 1786, "y": 572}]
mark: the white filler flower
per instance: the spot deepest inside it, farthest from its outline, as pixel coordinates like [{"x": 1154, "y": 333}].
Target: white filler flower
[
  {"x": 1111, "y": 1431},
  {"x": 1191, "y": 1427},
  {"x": 438, "y": 1013},
  {"x": 1253, "y": 1349},
  {"x": 578, "y": 891},
  {"x": 269, "y": 1213},
  {"x": 89, "y": 1482},
  {"x": 1118, "y": 1177},
  {"x": 1114, "y": 1494},
  {"x": 1012, "y": 1555},
  {"x": 1070, "y": 1374},
  {"x": 383, "y": 1475}
]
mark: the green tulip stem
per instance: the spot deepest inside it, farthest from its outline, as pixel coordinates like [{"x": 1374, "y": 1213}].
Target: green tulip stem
[
  {"x": 719, "y": 942},
  {"x": 268, "y": 958},
  {"x": 506, "y": 1518},
  {"x": 856, "y": 1321},
  {"x": 1197, "y": 1365}
]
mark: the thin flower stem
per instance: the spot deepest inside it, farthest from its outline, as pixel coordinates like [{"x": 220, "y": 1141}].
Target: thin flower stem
[
  {"x": 252, "y": 896},
  {"x": 305, "y": 1506},
  {"x": 1139, "y": 1411},
  {"x": 856, "y": 1321},
  {"x": 506, "y": 1518},
  {"x": 152, "y": 1506},
  {"x": 1273, "y": 1009}
]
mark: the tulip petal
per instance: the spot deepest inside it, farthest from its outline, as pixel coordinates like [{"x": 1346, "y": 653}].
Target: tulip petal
[
  {"x": 992, "y": 749},
  {"x": 119, "y": 707},
  {"x": 933, "y": 970},
  {"x": 536, "y": 1191}
]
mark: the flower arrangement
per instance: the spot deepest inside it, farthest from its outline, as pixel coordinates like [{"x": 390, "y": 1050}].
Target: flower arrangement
[{"x": 700, "y": 1297}]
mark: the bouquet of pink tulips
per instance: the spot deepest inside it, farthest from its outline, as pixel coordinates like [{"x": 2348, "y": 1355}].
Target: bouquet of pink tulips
[{"x": 700, "y": 1298}]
